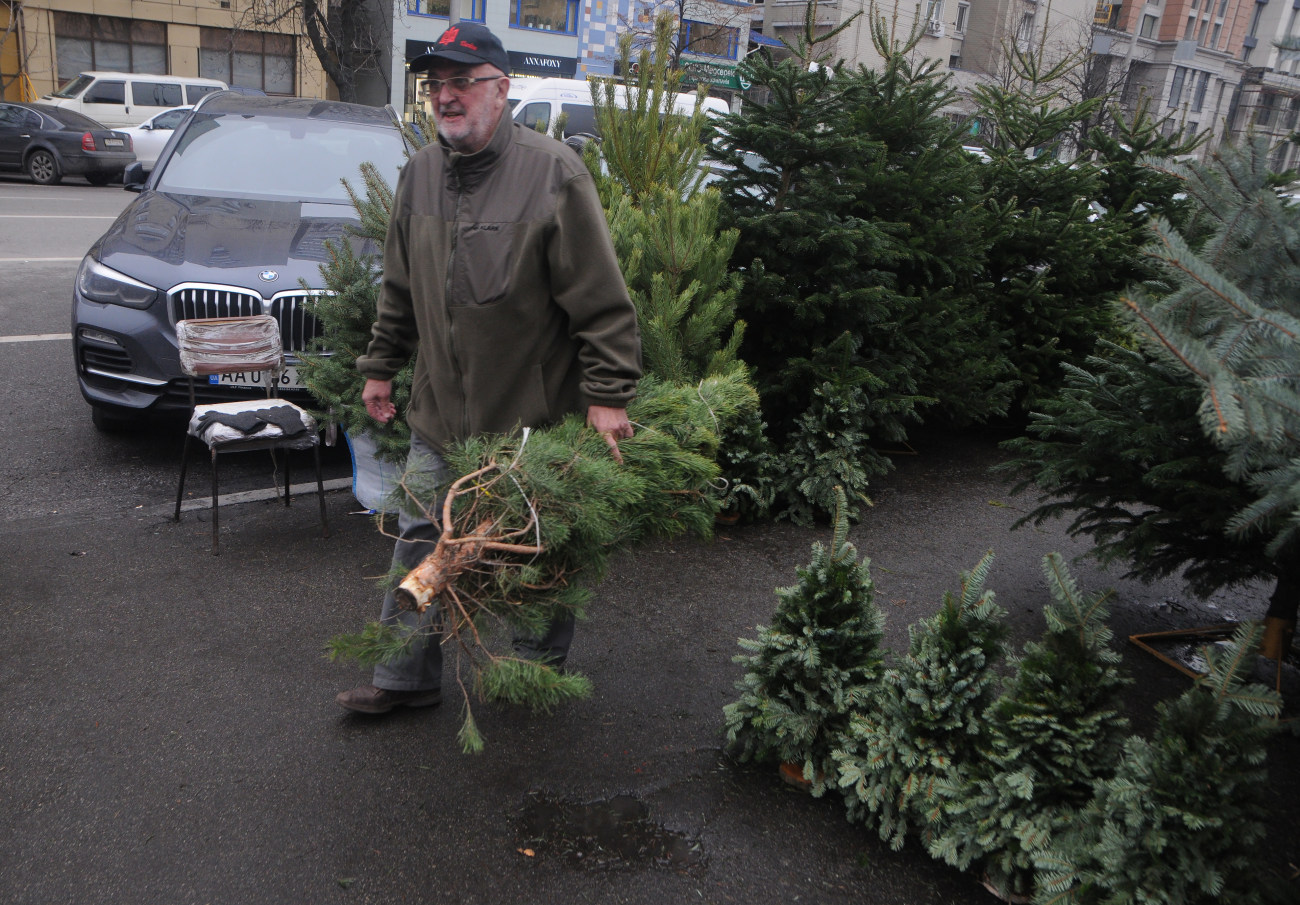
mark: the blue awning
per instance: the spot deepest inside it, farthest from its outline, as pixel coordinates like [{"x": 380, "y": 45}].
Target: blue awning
[{"x": 757, "y": 37}]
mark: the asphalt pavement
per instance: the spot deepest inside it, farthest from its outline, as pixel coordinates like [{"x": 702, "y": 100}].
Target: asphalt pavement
[{"x": 170, "y": 734}]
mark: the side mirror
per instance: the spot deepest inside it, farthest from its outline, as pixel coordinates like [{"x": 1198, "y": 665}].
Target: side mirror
[{"x": 133, "y": 177}]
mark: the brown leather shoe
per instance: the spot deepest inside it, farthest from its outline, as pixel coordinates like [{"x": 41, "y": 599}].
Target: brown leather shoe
[{"x": 369, "y": 699}]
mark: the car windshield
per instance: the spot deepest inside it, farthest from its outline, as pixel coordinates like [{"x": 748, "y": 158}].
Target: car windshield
[
  {"x": 74, "y": 87},
  {"x": 277, "y": 158},
  {"x": 71, "y": 118}
]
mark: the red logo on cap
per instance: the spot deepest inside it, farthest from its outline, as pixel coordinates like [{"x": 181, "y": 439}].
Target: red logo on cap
[{"x": 452, "y": 36}]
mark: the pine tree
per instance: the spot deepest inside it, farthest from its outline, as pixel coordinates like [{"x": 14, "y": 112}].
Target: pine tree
[
  {"x": 530, "y": 523},
  {"x": 1232, "y": 321},
  {"x": 1182, "y": 820},
  {"x": 648, "y": 167},
  {"x": 928, "y": 716},
  {"x": 860, "y": 242},
  {"x": 816, "y": 664},
  {"x": 1051, "y": 735},
  {"x": 1124, "y": 446},
  {"x": 346, "y": 312},
  {"x": 1050, "y": 253}
]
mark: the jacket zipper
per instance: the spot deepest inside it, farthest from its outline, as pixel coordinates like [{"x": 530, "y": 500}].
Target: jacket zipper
[{"x": 447, "y": 305}]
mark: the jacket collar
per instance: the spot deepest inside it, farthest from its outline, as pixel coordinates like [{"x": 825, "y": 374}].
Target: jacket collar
[{"x": 470, "y": 168}]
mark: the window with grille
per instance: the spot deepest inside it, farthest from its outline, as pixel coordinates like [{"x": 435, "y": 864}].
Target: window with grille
[
  {"x": 249, "y": 59},
  {"x": 83, "y": 43}
]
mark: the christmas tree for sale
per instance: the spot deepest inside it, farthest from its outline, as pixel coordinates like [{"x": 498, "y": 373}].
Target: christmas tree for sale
[
  {"x": 345, "y": 314},
  {"x": 817, "y": 663},
  {"x": 929, "y": 716},
  {"x": 648, "y": 168},
  {"x": 529, "y": 525},
  {"x": 1055, "y": 730},
  {"x": 1182, "y": 820}
]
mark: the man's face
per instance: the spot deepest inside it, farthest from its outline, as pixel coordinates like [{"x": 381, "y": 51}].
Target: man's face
[{"x": 466, "y": 121}]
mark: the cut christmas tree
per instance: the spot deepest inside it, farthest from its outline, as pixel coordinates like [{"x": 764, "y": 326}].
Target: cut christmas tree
[
  {"x": 816, "y": 664},
  {"x": 529, "y": 526},
  {"x": 1053, "y": 732},
  {"x": 928, "y": 718}
]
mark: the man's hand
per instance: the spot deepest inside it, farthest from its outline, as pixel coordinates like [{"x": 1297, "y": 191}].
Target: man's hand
[
  {"x": 612, "y": 424},
  {"x": 378, "y": 399}
]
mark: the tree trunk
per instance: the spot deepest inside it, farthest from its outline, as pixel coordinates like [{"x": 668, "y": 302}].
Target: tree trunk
[{"x": 1279, "y": 621}]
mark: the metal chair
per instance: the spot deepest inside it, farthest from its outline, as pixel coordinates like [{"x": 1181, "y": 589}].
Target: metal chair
[{"x": 251, "y": 345}]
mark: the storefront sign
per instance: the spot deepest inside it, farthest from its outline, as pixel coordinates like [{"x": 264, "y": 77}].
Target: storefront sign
[
  {"x": 720, "y": 75},
  {"x": 522, "y": 63}
]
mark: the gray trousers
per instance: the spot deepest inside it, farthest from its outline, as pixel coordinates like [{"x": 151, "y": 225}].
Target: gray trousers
[{"x": 421, "y": 668}]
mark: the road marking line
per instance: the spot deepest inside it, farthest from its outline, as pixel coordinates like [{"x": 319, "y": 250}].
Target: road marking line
[
  {"x": 255, "y": 496},
  {"x": 35, "y": 337},
  {"x": 58, "y": 216},
  {"x": 37, "y": 260}
]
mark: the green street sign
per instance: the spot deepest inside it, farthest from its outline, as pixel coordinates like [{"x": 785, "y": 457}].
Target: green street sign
[{"x": 720, "y": 75}]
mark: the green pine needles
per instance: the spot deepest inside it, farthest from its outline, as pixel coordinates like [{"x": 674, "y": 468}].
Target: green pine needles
[
  {"x": 928, "y": 718},
  {"x": 531, "y": 523},
  {"x": 1181, "y": 822},
  {"x": 817, "y": 663},
  {"x": 1053, "y": 732},
  {"x": 1233, "y": 322}
]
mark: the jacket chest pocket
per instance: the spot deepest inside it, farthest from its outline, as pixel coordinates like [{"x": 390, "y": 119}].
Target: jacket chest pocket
[{"x": 481, "y": 265}]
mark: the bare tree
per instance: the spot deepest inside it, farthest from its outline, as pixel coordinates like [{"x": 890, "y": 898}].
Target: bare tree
[
  {"x": 11, "y": 40},
  {"x": 710, "y": 26},
  {"x": 350, "y": 38}
]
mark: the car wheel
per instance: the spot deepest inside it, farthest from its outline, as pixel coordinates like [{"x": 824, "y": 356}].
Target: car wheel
[
  {"x": 99, "y": 178},
  {"x": 43, "y": 167},
  {"x": 112, "y": 420}
]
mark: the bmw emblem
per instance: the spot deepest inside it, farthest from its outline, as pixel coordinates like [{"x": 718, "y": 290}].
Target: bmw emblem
[{"x": 268, "y": 276}]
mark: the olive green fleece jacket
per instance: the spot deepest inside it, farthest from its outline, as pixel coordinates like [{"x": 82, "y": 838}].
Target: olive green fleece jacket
[{"x": 500, "y": 276}]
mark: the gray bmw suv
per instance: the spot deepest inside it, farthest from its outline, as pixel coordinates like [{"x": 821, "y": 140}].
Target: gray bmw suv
[{"x": 233, "y": 220}]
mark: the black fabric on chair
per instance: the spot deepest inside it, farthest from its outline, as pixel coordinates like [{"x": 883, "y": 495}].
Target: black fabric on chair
[{"x": 229, "y": 345}]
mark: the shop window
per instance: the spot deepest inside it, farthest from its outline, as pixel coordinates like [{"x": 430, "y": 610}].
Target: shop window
[
  {"x": 473, "y": 10},
  {"x": 547, "y": 15},
  {"x": 84, "y": 43},
  {"x": 246, "y": 59},
  {"x": 710, "y": 39}
]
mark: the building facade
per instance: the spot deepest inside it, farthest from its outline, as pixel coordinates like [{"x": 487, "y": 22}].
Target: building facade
[
  {"x": 1216, "y": 67},
  {"x": 48, "y": 42},
  {"x": 576, "y": 38}
]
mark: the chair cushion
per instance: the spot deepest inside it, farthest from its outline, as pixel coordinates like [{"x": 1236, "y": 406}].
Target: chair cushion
[{"x": 253, "y": 419}]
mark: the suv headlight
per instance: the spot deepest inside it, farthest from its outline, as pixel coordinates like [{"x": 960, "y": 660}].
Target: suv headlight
[{"x": 105, "y": 285}]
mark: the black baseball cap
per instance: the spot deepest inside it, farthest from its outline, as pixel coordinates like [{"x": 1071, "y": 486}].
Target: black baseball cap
[{"x": 465, "y": 42}]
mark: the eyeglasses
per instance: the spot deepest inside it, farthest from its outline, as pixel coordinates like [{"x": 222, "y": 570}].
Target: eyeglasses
[{"x": 458, "y": 85}]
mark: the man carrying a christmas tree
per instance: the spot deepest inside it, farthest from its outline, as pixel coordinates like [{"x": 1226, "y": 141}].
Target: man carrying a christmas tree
[{"x": 500, "y": 277}]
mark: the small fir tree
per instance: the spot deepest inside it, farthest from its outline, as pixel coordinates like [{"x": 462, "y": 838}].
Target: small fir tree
[
  {"x": 1053, "y": 732},
  {"x": 1182, "y": 820},
  {"x": 928, "y": 719},
  {"x": 816, "y": 664}
]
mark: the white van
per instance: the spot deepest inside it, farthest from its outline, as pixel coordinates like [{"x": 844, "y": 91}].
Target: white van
[
  {"x": 129, "y": 98},
  {"x": 545, "y": 99}
]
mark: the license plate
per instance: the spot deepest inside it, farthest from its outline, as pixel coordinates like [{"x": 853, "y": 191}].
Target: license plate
[
  {"x": 289, "y": 379},
  {"x": 113, "y": 142}
]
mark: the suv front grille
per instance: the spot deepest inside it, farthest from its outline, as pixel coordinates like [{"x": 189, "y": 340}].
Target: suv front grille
[{"x": 297, "y": 326}]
